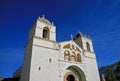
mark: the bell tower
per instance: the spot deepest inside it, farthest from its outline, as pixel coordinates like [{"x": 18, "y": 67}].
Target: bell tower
[
  {"x": 44, "y": 29},
  {"x": 39, "y": 51},
  {"x": 84, "y": 42}
]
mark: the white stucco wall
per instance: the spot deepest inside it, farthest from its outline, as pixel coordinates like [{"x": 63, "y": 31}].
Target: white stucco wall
[
  {"x": 25, "y": 72},
  {"x": 40, "y": 59},
  {"x": 92, "y": 69}
]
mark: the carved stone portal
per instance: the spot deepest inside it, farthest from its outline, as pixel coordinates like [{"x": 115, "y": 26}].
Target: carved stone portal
[{"x": 70, "y": 76}]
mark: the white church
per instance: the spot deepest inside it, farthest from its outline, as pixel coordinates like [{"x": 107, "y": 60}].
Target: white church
[{"x": 45, "y": 59}]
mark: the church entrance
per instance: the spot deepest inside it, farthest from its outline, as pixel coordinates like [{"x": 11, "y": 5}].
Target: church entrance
[
  {"x": 74, "y": 73},
  {"x": 70, "y": 78}
]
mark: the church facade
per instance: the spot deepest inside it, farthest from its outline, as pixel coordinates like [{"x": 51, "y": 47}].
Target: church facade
[{"x": 48, "y": 60}]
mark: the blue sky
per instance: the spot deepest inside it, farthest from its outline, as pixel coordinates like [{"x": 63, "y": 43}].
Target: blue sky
[{"x": 98, "y": 18}]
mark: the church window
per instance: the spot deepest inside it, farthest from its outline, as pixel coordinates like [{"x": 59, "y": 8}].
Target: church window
[
  {"x": 66, "y": 55},
  {"x": 88, "y": 46},
  {"x": 46, "y": 33},
  {"x": 73, "y": 57},
  {"x": 49, "y": 60},
  {"x": 39, "y": 68},
  {"x": 78, "y": 58}
]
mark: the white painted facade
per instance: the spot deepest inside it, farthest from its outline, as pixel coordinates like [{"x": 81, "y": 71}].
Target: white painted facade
[{"x": 48, "y": 60}]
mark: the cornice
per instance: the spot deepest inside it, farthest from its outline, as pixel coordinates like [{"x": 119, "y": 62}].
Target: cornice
[{"x": 44, "y": 47}]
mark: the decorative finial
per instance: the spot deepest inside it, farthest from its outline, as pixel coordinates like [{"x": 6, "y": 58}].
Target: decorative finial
[
  {"x": 71, "y": 37},
  {"x": 38, "y": 17},
  {"x": 52, "y": 23},
  {"x": 79, "y": 33},
  {"x": 89, "y": 37},
  {"x": 43, "y": 16},
  {"x": 85, "y": 36}
]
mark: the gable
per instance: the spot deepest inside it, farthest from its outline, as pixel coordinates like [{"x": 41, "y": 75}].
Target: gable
[{"x": 70, "y": 51}]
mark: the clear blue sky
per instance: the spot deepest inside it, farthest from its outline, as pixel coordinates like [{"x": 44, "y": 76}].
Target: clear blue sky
[{"x": 98, "y": 18}]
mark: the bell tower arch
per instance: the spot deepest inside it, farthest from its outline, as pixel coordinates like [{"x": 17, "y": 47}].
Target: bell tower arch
[{"x": 46, "y": 33}]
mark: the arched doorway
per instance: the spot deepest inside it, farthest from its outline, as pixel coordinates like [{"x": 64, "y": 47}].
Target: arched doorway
[
  {"x": 74, "y": 73},
  {"x": 70, "y": 78}
]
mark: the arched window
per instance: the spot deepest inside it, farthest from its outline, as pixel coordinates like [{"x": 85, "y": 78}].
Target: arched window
[
  {"x": 78, "y": 49},
  {"x": 67, "y": 46},
  {"x": 73, "y": 57},
  {"x": 67, "y": 55},
  {"x": 78, "y": 58},
  {"x": 88, "y": 46},
  {"x": 46, "y": 33}
]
